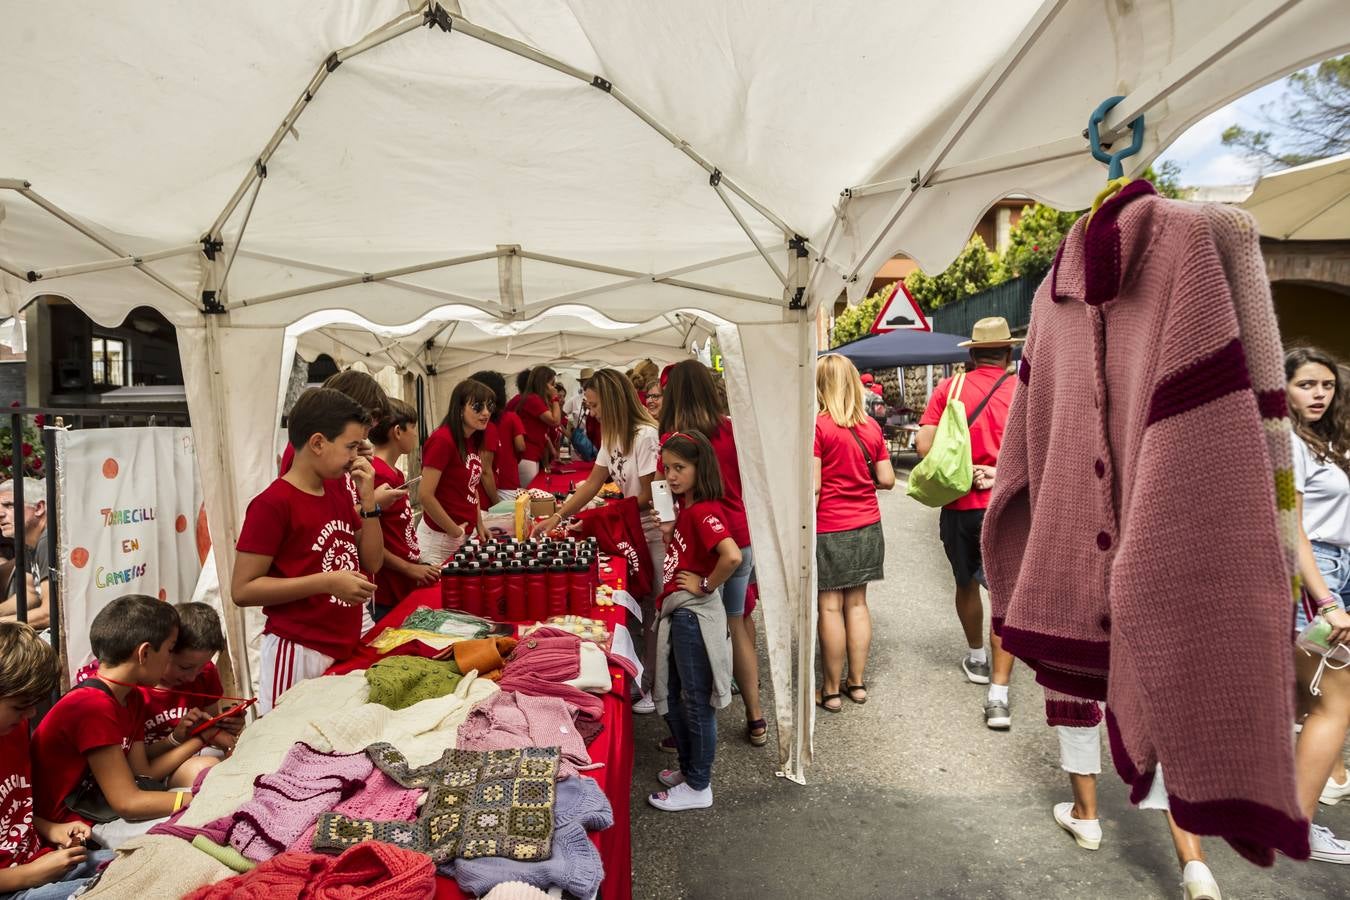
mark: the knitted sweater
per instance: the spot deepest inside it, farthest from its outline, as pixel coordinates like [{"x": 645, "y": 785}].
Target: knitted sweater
[
  {"x": 1134, "y": 526},
  {"x": 544, "y": 663},
  {"x": 382, "y": 798},
  {"x": 156, "y": 865},
  {"x": 509, "y": 720},
  {"x": 368, "y": 871},
  {"x": 331, "y": 714},
  {"x": 575, "y": 865}
]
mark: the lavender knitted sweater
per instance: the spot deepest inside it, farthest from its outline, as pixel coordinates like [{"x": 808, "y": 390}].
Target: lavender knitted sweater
[{"x": 1134, "y": 527}]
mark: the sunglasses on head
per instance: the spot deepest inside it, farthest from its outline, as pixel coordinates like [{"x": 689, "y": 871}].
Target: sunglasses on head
[{"x": 479, "y": 405}]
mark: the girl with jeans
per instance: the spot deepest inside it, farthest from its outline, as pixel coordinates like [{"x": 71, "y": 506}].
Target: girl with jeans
[
  {"x": 1321, "y": 463},
  {"x": 852, "y": 464},
  {"x": 693, "y": 662}
]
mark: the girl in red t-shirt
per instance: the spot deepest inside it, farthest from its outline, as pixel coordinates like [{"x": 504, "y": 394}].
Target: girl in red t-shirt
[
  {"x": 852, "y": 464},
  {"x": 452, "y": 471},
  {"x": 690, "y": 403},
  {"x": 503, "y": 444},
  {"x": 540, "y": 411},
  {"x": 394, "y": 437},
  {"x": 693, "y": 665}
]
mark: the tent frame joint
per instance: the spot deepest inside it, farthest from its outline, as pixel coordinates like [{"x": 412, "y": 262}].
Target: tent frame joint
[
  {"x": 211, "y": 305},
  {"x": 715, "y": 177},
  {"x": 602, "y": 84},
  {"x": 331, "y": 62},
  {"x": 437, "y": 16},
  {"x": 211, "y": 246},
  {"x": 797, "y": 244},
  {"x": 798, "y": 300}
]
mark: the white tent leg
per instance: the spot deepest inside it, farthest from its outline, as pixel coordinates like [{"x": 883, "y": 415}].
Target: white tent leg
[{"x": 233, "y": 404}]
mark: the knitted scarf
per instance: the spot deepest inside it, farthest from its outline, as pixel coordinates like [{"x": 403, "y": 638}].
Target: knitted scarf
[{"x": 368, "y": 871}]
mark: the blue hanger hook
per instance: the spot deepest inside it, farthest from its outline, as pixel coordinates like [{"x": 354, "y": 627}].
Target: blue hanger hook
[{"x": 1114, "y": 168}]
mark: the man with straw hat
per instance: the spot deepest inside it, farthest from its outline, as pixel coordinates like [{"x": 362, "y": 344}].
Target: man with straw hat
[{"x": 987, "y": 393}]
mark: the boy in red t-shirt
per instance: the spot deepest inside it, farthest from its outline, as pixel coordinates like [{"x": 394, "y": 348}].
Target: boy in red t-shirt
[
  {"x": 303, "y": 546},
  {"x": 28, "y": 675},
  {"x": 90, "y": 748},
  {"x": 394, "y": 437}
]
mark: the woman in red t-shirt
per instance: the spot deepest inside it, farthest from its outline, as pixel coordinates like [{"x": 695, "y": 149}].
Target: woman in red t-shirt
[
  {"x": 689, "y": 403},
  {"x": 451, "y": 472},
  {"x": 503, "y": 443},
  {"x": 852, "y": 464},
  {"x": 394, "y": 437},
  {"x": 540, "y": 411}
]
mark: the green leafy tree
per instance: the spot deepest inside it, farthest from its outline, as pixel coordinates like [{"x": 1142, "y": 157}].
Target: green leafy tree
[
  {"x": 855, "y": 321},
  {"x": 971, "y": 272},
  {"x": 1311, "y": 121}
]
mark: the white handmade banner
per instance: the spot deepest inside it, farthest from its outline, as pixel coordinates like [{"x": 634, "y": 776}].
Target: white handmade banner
[{"x": 131, "y": 522}]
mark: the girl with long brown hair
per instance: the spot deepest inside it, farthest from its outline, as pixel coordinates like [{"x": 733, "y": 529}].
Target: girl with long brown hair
[
  {"x": 628, "y": 454},
  {"x": 452, "y": 472},
  {"x": 690, "y": 403},
  {"x": 540, "y": 411},
  {"x": 1321, "y": 447}
]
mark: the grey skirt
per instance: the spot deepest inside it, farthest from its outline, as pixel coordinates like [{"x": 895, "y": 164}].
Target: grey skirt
[{"x": 846, "y": 559}]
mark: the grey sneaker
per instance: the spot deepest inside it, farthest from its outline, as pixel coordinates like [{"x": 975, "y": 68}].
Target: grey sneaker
[
  {"x": 976, "y": 672},
  {"x": 996, "y": 715}
]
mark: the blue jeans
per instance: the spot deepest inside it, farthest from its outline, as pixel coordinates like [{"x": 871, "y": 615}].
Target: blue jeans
[
  {"x": 70, "y": 882},
  {"x": 690, "y": 714},
  {"x": 733, "y": 591},
  {"x": 1334, "y": 564}
]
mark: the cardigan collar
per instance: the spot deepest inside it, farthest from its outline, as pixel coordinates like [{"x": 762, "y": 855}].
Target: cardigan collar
[{"x": 1088, "y": 265}]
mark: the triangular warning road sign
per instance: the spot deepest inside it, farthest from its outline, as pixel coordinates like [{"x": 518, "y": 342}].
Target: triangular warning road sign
[{"x": 900, "y": 310}]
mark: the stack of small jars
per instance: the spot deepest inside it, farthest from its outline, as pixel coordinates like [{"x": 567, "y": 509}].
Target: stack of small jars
[{"x": 522, "y": 581}]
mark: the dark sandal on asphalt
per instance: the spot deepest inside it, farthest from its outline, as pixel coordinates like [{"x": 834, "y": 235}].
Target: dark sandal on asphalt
[
  {"x": 757, "y": 732},
  {"x": 850, "y": 690},
  {"x": 826, "y": 698}
]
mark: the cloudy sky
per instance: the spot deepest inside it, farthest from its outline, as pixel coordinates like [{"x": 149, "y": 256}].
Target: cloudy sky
[{"x": 1203, "y": 158}]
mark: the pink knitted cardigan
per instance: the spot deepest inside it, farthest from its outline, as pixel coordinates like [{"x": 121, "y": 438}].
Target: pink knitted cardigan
[{"x": 1133, "y": 528}]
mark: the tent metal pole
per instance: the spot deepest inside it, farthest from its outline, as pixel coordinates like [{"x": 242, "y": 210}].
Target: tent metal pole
[
  {"x": 378, "y": 276},
  {"x": 821, "y": 260},
  {"x": 749, "y": 232},
  {"x": 239, "y": 238},
  {"x": 106, "y": 264},
  {"x": 1064, "y": 148},
  {"x": 1229, "y": 33},
  {"x": 510, "y": 283},
  {"x": 519, "y": 48},
  {"x": 387, "y": 32},
  {"x": 34, "y": 197},
  {"x": 9, "y": 269},
  {"x": 997, "y": 74},
  {"x": 643, "y": 279},
  {"x": 334, "y": 270},
  {"x": 629, "y": 273}
]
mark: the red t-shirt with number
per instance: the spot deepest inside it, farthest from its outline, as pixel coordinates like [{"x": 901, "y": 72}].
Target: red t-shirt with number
[
  {"x": 532, "y": 406},
  {"x": 84, "y": 720},
  {"x": 166, "y": 707},
  {"x": 847, "y": 498},
  {"x": 699, "y": 528},
  {"x": 307, "y": 535},
  {"x": 457, "y": 490},
  {"x": 19, "y": 842}
]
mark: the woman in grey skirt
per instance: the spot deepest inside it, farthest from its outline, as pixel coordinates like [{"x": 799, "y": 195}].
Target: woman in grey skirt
[{"x": 852, "y": 464}]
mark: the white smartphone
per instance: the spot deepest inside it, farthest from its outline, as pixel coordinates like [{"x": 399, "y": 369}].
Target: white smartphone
[{"x": 410, "y": 483}]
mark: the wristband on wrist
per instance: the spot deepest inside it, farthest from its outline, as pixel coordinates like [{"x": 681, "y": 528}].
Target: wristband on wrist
[
  {"x": 174, "y": 741},
  {"x": 178, "y": 800},
  {"x": 1328, "y": 601}
]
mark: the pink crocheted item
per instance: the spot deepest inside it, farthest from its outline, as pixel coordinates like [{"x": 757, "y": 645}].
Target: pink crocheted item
[
  {"x": 382, "y": 798},
  {"x": 508, "y": 720},
  {"x": 540, "y": 665}
]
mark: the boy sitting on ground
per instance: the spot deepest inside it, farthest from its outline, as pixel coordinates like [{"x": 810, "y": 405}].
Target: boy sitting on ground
[
  {"x": 190, "y": 691},
  {"x": 91, "y": 747},
  {"x": 28, "y": 862}
]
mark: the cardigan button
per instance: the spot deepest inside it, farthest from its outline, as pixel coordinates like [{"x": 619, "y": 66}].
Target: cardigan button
[
  {"x": 1105, "y": 622},
  {"x": 1100, "y": 468},
  {"x": 1103, "y": 541}
]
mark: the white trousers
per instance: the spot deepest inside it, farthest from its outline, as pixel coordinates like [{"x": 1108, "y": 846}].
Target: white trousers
[
  {"x": 436, "y": 546},
  {"x": 284, "y": 665},
  {"x": 1080, "y": 753},
  {"x": 528, "y": 470}
]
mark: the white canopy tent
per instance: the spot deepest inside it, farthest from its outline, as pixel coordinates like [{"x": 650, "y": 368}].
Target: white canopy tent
[
  {"x": 1310, "y": 202},
  {"x": 243, "y": 170}
]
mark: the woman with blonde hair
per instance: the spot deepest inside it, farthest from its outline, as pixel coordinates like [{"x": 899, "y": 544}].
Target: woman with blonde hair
[
  {"x": 852, "y": 464},
  {"x": 629, "y": 448}
]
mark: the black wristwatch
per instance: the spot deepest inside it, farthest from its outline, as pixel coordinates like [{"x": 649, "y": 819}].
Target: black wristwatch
[{"x": 373, "y": 514}]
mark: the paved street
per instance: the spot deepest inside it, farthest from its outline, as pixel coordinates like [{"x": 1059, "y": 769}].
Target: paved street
[{"x": 910, "y": 795}]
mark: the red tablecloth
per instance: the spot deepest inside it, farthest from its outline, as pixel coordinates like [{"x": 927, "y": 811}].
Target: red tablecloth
[
  {"x": 613, "y": 747},
  {"x": 561, "y": 479}
]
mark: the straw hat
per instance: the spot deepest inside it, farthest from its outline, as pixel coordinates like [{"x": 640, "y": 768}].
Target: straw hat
[
  {"x": 991, "y": 332},
  {"x": 587, "y": 374}
]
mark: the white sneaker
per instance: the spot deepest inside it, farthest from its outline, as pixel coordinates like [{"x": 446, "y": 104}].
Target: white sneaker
[
  {"x": 682, "y": 797},
  {"x": 1086, "y": 832},
  {"x": 1197, "y": 882},
  {"x": 1326, "y": 847},
  {"x": 645, "y": 705},
  {"x": 670, "y": 777},
  {"x": 1334, "y": 793}
]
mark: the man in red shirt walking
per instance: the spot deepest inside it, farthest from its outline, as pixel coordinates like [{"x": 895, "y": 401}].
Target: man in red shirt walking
[{"x": 987, "y": 393}]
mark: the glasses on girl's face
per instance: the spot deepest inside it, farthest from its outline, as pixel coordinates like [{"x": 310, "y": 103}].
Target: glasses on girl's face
[{"x": 479, "y": 405}]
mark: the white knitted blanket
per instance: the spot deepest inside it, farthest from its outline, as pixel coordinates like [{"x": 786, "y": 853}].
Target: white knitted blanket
[{"x": 157, "y": 865}]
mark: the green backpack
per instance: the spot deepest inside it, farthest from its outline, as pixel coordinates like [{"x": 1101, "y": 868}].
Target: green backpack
[{"x": 946, "y": 473}]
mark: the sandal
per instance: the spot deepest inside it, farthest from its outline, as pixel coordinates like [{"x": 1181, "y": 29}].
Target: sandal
[
  {"x": 850, "y": 690},
  {"x": 823, "y": 699},
  {"x": 757, "y": 732}
]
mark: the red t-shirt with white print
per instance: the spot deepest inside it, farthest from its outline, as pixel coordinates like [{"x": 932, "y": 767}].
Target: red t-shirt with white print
[
  {"x": 307, "y": 535},
  {"x": 699, "y": 528},
  {"x": 457, "y": 490},
  {"x": 84, "y": 720},
  {"x": 400, "y": 538},
  {"x": 166, "y": 707},
  {"x": 19, "y": 842}
]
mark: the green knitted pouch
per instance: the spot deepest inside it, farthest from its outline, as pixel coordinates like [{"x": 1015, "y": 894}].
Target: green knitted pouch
[{"x": 400, "y": 681}]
